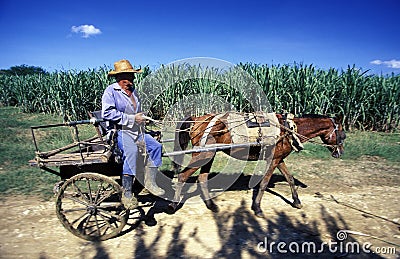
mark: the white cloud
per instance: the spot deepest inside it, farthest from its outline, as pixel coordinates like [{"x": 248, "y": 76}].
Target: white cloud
[
  {"x": 389, "y": 63},
  {"x": 393, "y": 63},
  {"x": 376, "y": 62},
  {"x": 86, "y": 30}
]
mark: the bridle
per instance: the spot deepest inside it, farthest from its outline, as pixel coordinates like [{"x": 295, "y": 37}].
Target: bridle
[
  {"x": 333, "y": 131},
  {"x": 339, "y": 139}
]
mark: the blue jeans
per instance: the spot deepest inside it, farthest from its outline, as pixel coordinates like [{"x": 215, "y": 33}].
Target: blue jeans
[{"x": 127, "y": 143}]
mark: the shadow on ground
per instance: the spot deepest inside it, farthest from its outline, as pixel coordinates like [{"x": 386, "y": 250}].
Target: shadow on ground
[{"x": 249, "y": 237}]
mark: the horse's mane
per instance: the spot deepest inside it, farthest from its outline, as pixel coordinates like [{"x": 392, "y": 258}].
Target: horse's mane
[{"x": 316, "y": 116}]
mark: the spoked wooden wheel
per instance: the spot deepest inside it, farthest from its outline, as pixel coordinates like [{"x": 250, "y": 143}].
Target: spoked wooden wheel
[{"x": 89, "y": 205}]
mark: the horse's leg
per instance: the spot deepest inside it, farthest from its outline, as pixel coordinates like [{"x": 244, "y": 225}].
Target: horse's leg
[
  {"x": 203, "y": 181},
  {"x": 289, "y": 178},
  {"x": 194, "y": 165},
  {"x": 182, "y": 178},
  {"x": 262, "y": 187}
]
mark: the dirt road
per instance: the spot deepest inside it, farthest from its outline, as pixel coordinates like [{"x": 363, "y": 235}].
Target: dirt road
[{"x": 367, "y": 204}]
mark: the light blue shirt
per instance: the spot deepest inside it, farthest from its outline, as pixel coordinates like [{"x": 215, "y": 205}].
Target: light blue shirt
[{"x": 117, "y": 107}]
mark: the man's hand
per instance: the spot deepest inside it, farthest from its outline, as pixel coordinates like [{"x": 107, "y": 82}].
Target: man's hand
[{"x": 139, "y": 119}]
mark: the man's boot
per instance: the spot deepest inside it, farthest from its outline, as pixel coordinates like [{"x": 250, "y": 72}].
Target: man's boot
[
  {"x": 128, "y": 199},
  {"x": 150, "y": 181}
]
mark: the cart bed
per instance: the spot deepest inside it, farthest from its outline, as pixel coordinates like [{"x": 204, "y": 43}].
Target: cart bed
[{"x": 62, "y": 159}]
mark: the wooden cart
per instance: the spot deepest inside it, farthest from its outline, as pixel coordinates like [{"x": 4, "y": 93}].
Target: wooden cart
[{"x": 88, "y": 197}]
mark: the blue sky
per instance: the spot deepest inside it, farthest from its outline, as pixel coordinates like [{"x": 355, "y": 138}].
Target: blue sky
[{"x": 62, "y": 35}]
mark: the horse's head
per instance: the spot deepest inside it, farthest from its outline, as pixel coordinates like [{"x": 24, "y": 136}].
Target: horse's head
[{"x": 335, "y": 137}]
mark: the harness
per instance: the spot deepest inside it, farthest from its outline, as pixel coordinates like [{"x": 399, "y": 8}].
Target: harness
[
  {"x": 210, "y": 125},
  {"x": 293, "y": 135},
  {"x": 339, "y": 140},
  {"x": 288, "y": 124}
]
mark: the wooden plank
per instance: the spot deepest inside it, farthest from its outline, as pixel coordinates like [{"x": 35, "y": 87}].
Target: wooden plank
[
  {"x": 73, "y": 159},
  {"x": 58, "y": 150}
]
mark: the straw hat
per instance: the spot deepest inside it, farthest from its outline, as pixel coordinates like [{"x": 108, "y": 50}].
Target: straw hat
[{"x": 123, "y": 66}]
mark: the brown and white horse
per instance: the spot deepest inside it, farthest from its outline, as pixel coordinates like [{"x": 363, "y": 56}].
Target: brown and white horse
[{"x": 330, "y": 130}]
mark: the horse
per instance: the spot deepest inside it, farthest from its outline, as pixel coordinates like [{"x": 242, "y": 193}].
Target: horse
[{"x": 192, "y": 129}]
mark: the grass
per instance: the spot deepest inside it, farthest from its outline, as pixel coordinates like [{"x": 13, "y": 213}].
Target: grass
[
  {"x": 384, "y": 145},
  {"x": 359, "y": 144},
  {"x": 16, "y": 149}
]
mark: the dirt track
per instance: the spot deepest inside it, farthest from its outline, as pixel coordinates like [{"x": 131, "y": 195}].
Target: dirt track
[{"x": 367, "y": 190}]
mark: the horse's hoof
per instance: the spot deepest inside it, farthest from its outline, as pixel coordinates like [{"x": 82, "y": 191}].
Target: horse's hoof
[
  {"x": 214, "y": 208},
  {"x": 257, "y": 211},
  {"x": 259, "y": 214},
  {"x": 150, "y": 221},
  {"x": 297, "y": 205},
  {"x": 171, "y": 208}
]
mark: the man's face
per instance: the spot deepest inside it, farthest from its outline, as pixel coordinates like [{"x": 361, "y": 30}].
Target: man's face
[{"x": 125, "y": 80}]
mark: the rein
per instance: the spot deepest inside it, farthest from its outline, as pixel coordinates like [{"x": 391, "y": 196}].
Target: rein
[
  {"x": 158, "y": 123},
  {"x": 294, "y": 132}
]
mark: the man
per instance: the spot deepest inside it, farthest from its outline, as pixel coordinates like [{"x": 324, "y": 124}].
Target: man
[{"x": 121, "y": 108}]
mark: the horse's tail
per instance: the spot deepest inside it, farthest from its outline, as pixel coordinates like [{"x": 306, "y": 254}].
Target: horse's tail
[{"x": 182, "y": 139}]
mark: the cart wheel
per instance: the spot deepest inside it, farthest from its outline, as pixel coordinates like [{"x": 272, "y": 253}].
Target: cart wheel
[{"x": 89, "y": 206}]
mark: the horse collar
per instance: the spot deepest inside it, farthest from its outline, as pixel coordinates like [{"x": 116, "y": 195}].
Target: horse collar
[{"x": 294, "y": 139}]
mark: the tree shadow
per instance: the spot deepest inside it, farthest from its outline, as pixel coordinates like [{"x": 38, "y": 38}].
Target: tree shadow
[
  {"x": 242, "y": 235},
  {"x": 282, "y": 235},
  {"x": 246, "y": 236}
]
